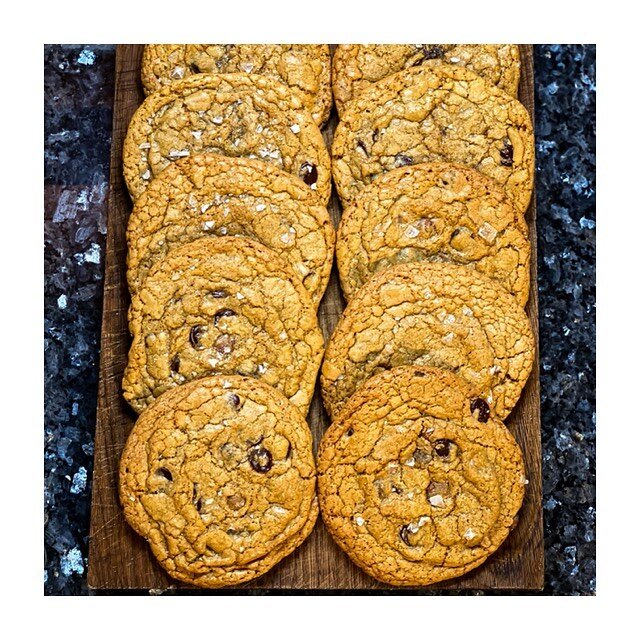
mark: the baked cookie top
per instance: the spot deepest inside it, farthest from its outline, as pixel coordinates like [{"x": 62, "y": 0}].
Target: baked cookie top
[
  {"x": 414, "y": 484},
  {"x": 358, "y": 66},
  {"x": 306, "y": 68},
  {"x": 212, "y": 195},
  {"x": 435, "y": 113},
  {"x": 434, "y": 314},
  {"x": 236, "y": 115},
  {"x": 219, "y": 477},
  {"x": 437, "y": 212},
  {"x": 222, "y": 305}
]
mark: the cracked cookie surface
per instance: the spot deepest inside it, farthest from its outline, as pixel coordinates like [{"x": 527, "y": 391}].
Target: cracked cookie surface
[
  {"x": 414, "y": 485},
  {"x": 211, "y": 195},
  {"x": 306, "y": 68},
  {"x": 434, "y": 314},
  {"x": 236, "y": 115},
  {"x": 222, "y": 305},
  {"x": 436, "y": 212},
  {"x": 219, "y": 477},
  {"x": 358, "y": 66},
  {"x": 435, "y": 113}
]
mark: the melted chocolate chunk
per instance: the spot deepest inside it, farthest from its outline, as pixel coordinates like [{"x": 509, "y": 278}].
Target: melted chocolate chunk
[
  {"x": 506, "y": 153},
  {"x": 223, "y": 313},
  {"x": 165, "y": 473},
  {"x": 442, "y": 448},
  {"x": 431, "y": 53},
  {"x": 404, "y": 534},
  {"x": 174, "y": 365},
  {"x": 403, "y": 160},
  {"x": 234, "y": 400},
  {"x": 309, "y": 173},
  {"x": 482, "y": 408},
  {"x": 195, "y": 334},
  {"x": 260, "y": 459}
]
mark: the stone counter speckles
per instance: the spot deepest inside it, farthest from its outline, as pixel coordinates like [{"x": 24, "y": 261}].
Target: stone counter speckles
[
  {"x": 78, "y": 98},
  {"x": 566, "y": 163}
]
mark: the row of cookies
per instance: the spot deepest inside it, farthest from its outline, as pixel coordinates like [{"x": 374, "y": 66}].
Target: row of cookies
[
  {"x": 419, "y": 478},
  {"x": 230, "y": 250}
]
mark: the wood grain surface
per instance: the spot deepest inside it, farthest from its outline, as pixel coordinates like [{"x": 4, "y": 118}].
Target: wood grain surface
[{"x": 120, "y": 559}]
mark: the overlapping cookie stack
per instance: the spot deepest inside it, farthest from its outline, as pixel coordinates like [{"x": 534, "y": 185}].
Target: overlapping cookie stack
[
  {"x": 419, "y": 479},
  {"x": 230, "y": 249}
]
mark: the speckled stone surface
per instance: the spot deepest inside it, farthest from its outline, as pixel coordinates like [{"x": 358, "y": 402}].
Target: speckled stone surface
[{"x": 78, "y": 101}]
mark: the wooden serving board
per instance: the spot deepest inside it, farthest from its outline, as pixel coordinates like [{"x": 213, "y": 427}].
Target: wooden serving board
[{"x": 120, "y": 559}]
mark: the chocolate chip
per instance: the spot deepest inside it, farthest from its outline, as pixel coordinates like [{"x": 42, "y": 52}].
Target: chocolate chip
[
  {"x": 222, "y": 313},
  {"x": 219, "y": 293},
  {"x": 234, "y": 400},
  {"x": 174, "y": 365},
  {"x": 403, "y": 160},
  {"x": 195, "y": 334},
  {"x": 225, "y": 344},
  {"x": 236, "y": 502},
  {"x": 442, "y": 448},
  {"x": 374, "y": 135},
  {"x": 362, "y": 147},
  {"x": 349, "y": 432},
  {"x": 309, "y": 173},
  {"x": 195, "y": 498},
  {"x": 479, "y": 405},
  {"x": 194, "y": 68},
  {"x": 419, "y": 374},
  {"x": 404, "y": 534},
  {"x": 260, "y": 459},
  {"x": 165, "y": 473},
  {"x": 430, "y": 53},
  {"x": 506, "y": 153}
]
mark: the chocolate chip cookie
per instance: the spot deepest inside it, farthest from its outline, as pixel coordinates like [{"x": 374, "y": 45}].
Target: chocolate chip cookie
[
  {"x": 358, "y": 66},
  {"x": 415, "y": 484},
  {"x": 438, "y": 212},
  {"x": 236, "y": 115},
  {"x": 435, "y": 113},
  {"x": 305, "y": 68},
  {"x": 219, "y": 477},
  {"x": 212, "y": 195},
  {"x": 222, "y": 305},
  {"x": 434, "y": 314}
]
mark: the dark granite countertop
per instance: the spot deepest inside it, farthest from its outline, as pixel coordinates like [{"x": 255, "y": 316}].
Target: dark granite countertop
[{"x": 78, "y": 103}]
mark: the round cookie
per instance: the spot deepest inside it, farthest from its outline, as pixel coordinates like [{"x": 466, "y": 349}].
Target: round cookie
[
  {"x": 236, "y": 115},
  {"x": 437, "y": 212},
  {"x": 219, "y": 477},
  {"x": 435, "y": 113},
  {"x": 305, "y": 68},
  {"x": 358, "y": 66},
  {"x": 415, "y": 486},
  {"x": 222, "y": 305},
  {"x": 208, "y": 194},
  {"x": 434, "y": 314}
]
